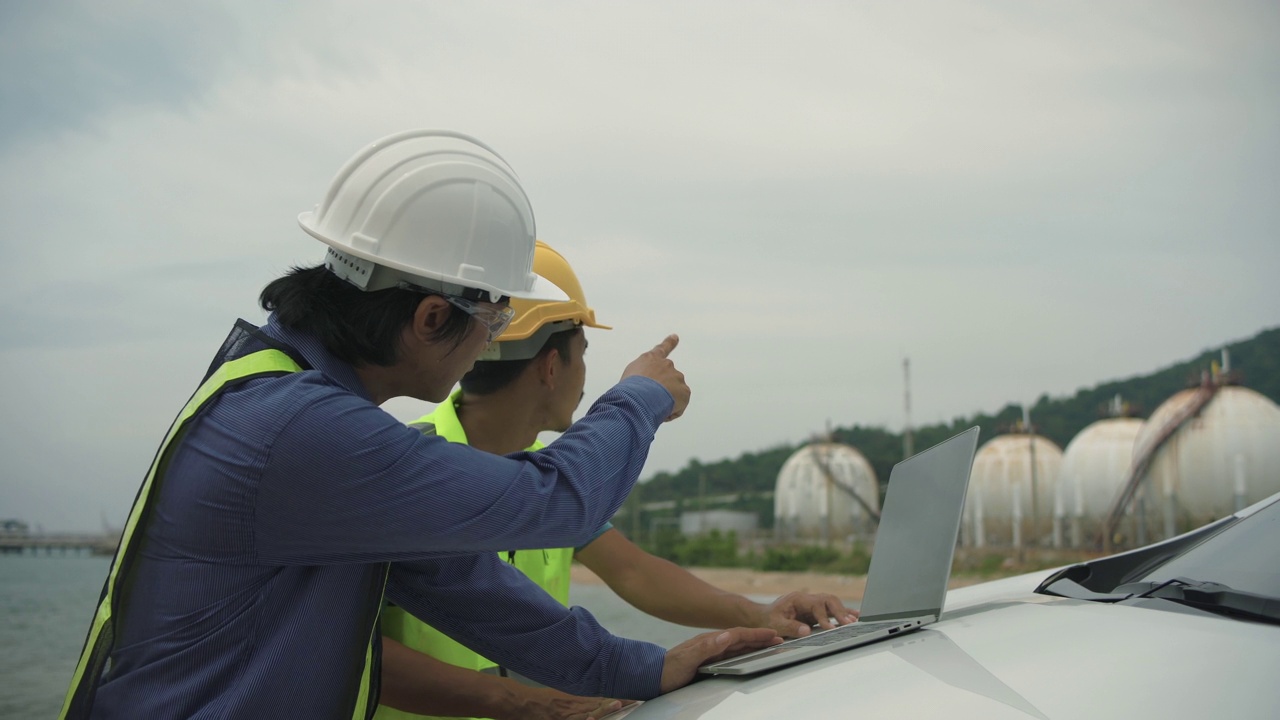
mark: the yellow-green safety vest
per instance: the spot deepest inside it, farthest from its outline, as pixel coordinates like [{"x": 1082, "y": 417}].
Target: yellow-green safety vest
[
  {"x": 99, "y": 643},
  {"x": 548, "y": 568}
]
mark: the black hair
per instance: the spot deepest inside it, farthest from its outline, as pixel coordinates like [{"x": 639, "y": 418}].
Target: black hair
[
  {"x": 361, "y": 328},
  {"x": 490, "y": 376}
]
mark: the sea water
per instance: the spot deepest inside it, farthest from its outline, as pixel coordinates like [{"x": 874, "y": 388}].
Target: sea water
[{"x": 47, "y": 601}]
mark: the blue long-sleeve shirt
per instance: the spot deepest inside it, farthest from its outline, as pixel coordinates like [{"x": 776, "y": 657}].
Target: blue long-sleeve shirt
[{"x": 262, "y": 568}]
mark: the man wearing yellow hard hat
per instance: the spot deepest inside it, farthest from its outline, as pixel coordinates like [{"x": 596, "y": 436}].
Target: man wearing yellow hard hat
[{"x": 528, "y": 381}]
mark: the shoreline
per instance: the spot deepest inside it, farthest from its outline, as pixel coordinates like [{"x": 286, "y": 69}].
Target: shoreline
[{"x": 746, "y": 581}]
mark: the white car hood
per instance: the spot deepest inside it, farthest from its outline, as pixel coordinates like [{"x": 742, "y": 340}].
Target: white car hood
[{"x": 1003, "y": 652}]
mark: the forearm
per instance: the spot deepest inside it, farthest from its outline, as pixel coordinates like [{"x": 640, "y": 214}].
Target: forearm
[
  {"x": 669, "y": 592},
  {"x": 420, "y": 684},
  {"x": 665, "y": 590}
]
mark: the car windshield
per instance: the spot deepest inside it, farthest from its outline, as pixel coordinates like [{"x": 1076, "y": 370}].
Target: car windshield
[{"x": 1245, "y": 557}]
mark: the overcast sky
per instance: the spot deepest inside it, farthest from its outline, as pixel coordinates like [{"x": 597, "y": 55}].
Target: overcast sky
[{"x": 1021, "y": 197}]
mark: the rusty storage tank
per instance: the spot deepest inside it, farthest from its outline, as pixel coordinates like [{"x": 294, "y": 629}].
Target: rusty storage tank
[
  {"x": 1213, "y": 450},
  {"x": 826, "y": 491},
  {"x": 1008, "y": 471},
  {"x": 1095, "y": 465}
]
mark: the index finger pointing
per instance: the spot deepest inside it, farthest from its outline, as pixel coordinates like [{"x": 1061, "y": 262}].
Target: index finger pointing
[{"x": 668, "y": 344}]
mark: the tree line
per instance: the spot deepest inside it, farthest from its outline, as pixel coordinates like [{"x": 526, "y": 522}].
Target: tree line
[{"x": 1255, "y": 363}]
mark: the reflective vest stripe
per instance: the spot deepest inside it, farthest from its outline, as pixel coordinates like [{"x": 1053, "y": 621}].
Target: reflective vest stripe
[{"x": 101, "y": 639}]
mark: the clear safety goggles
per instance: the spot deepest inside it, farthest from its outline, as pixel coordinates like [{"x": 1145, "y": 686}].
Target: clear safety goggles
[{"x": 495, "y": 318}]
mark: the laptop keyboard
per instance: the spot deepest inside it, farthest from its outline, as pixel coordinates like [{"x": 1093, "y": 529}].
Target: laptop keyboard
[
  {"x": 839, "y": 634},
  {"x": 818, "y": 639}
]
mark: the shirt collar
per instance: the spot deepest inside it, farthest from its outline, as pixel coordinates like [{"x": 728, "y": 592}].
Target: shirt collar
[{"x": 314, "y": 352}]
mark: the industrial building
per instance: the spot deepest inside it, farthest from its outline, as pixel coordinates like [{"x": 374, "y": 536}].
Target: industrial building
[
  {"x": 1121, "y": 482},
  {"x": 703, "y": 522}
]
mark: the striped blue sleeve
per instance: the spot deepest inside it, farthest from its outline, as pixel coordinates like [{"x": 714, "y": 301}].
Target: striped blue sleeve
[
  {"x": 347, "y": 482},
  {"x": 603, "y": 529}
]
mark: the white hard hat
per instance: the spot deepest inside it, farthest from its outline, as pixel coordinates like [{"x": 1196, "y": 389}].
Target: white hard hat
[{"x": 432, "y": 209}]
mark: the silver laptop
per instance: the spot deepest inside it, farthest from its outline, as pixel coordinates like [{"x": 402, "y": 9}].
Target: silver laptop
[{"x": 910, "y": 564}]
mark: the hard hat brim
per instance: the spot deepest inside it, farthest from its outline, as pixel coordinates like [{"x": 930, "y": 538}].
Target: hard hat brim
[{"x": 541, "y": 288}]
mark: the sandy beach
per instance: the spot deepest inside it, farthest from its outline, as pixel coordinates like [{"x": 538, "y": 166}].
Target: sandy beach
[{"x": 754, "y": 582}]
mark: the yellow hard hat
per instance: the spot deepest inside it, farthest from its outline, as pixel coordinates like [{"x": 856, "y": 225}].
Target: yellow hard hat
[{"x": 536, "y": 320}]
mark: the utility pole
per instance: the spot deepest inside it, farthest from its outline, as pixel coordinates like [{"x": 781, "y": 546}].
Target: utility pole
[{"x": 908, "y": 445}]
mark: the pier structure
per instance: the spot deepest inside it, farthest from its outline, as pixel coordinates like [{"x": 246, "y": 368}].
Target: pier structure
[{"x": 58, "y": 543}]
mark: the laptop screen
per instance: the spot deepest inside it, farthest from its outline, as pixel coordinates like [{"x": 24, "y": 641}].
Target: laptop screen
[{"x": 919, "y": 525}]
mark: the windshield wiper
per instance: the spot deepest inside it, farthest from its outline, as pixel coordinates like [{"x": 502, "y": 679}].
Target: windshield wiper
[{"x": 1210, "y": 596}]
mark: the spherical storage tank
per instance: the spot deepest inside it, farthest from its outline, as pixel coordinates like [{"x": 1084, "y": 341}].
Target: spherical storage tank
[
  {"x": 1095, "y": 466},
  {"x": 824, "y": 491},
  {"x": 1223, "y": 458},
  {"x": 998, "y": 509}
]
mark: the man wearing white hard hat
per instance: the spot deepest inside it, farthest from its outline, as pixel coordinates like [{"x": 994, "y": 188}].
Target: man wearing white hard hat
[{"x": 284, "y": 505}]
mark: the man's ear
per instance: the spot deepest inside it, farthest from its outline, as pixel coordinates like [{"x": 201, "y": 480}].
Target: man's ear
[
  {"x": 549, "y": 367},
  {"x": 429, "y": 317}
]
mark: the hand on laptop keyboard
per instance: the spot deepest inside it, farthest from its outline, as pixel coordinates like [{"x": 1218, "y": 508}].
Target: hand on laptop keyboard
[
  {"x": 839, "y": 634},
  {"x": 793, "y": 614}
]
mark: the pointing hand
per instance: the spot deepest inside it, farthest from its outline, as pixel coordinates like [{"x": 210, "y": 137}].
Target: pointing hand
[{"x": 656, "y": 365}]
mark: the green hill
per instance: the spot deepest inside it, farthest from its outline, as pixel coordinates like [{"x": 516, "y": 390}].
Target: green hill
[{"x": 746, "y": 482}]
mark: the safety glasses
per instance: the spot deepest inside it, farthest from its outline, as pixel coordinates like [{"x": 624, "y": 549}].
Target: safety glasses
[{"x": 495, "y": 318}]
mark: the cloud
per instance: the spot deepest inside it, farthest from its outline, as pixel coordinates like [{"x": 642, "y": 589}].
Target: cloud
[
  {"x": 1023, "y": 198},
  {"x": 81, "y": 59}
]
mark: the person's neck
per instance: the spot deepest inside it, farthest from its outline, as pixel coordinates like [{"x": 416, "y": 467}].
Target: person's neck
[
  {"x": 500, "y": 423},
  {"x": 380, "y": 382}
]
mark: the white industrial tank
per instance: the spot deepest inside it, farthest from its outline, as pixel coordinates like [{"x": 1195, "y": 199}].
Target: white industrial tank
[
  {"x": 1205, "y": 464},
  {"x": 1095, "y": 465},
  {"x": 826, "y": 491},
  {"x": 1008, "y": 472}
]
